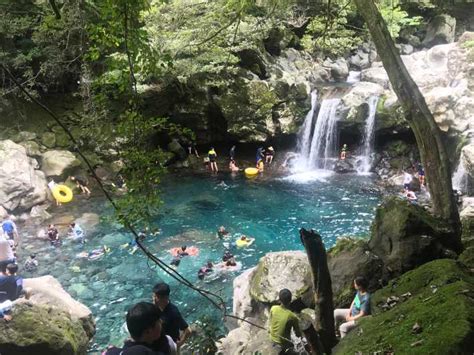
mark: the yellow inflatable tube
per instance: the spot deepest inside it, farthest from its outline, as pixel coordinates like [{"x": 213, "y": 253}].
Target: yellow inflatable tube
[
  {"x": 62, "y": 193},
  {"x": 251, "y": 171}
]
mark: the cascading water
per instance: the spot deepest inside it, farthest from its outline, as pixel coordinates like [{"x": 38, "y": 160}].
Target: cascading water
[
  {"x": 366, "y": 158},
  {"x": 305, "y": 133},
  {"x": 323, "y": 144},
  {"x": 460, "y": 178}
]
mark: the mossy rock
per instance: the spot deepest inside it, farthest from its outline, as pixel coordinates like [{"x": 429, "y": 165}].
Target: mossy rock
[
  {"x": 441, "y": 301},
  {"x": 24, "y": 136},
  {"x": 275, "y": 271},
  {"x": 467, "y": 231},
  {"x": 405, "y": 236},
  {"x": 48, "y": 139},
  {"x": 348, "y": 259},
  {"x": 62, "y": 139},
  {"x": 32, "y": 148},
  {"x": 42, "y": 330},
  {"x": 467, "y": 257}
]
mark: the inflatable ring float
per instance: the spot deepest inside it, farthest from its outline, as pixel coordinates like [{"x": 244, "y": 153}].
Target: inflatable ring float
[
  {"x": 62, "y": 193},
  {"x": 251, "y": 171},
  {"x": 242, "y": 243}
]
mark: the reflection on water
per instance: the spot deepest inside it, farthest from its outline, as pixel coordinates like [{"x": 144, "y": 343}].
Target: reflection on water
[{"x": 271, "y": 210}]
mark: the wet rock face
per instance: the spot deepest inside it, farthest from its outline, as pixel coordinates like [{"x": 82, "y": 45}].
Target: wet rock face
[{"x": 22, "y": 186}]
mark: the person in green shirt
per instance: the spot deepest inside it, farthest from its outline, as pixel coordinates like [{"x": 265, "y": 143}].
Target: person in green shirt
[{"x": 282, "y": 320}]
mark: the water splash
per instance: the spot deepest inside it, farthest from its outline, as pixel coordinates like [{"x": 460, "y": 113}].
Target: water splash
[{"x": 368, "y": 142}]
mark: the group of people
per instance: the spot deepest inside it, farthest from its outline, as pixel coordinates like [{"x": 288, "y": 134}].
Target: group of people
[
  {"x": 11, "y": 285},
  {"x": 155, "y": 328},
  {"x": 263, "y": 156},
  {"x": 283, "y": 320},
  {"x": 408, "y": 177}
]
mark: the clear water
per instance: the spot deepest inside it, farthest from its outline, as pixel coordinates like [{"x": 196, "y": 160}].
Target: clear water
[{"x": 271, "y": 209}]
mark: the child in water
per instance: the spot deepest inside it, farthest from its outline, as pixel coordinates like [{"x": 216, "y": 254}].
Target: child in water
[{"x": 260, "y": 166}]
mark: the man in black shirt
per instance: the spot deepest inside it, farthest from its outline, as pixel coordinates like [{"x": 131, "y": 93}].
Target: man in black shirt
[{"x": 173, "y": 322}]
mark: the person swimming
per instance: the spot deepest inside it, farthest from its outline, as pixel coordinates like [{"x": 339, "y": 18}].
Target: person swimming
[
  {"x": 222, "y": 232},
  {"x": 244, "y": 241},
  {"x": 205, "y": 270}
]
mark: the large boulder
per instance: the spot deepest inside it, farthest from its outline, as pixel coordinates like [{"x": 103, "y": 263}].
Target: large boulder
[
  {"x": 348, "y": 259},
  {"x": 58, "y": 162},
  {"x": 441, "y": 30},
  {"x": 437, "y": 296},
  {"x": 344, "y": 167},
  {"x": 275, "y": 271},
  {"x": 405, "y": 235},
  {"x": 47, "y": 291},
  {"x": 22, "y": 186},
  {"x": 354, "y": 103},
  {"x": 42, "y": 330}
]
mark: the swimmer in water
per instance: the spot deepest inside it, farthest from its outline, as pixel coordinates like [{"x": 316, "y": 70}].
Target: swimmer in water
[
  {"x": 222, "y": 232},
  {"x": 205, "y": 270}
]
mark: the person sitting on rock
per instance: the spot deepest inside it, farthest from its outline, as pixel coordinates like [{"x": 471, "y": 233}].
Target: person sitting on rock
[
  {"x": 146, "y": 329},
  {"x": 282, "y": 320},
  {"x": 7, "y": 256},
  {"x": 81, "y": 184},
  {"x": 360, "y": 307},
  {"x": 410, "y": 195}
]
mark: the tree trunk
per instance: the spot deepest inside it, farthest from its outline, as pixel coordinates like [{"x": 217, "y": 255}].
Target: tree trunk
[
  {"x": 322, "y": 289},
  {"x": 427, "y": 133}
]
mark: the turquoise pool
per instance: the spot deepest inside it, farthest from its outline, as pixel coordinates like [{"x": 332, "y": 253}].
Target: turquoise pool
[{"x": 271, "y": 209}]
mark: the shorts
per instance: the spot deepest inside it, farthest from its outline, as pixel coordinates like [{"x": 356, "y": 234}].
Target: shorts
[
  {"x": 406, "y": 186},
  {"x": 10, "y": 235}
]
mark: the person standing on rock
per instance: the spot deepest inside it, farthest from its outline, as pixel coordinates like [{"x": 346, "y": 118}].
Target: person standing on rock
[
  {"x": 407, "y": 178},
  {"x": 212, "y": 155},
  {"x": 360, "y": 307},
  {"x": 10, "y": 230},
  {"x": 6, "y": 254},
  {"x": 344, "y": 152},
  {"x": 260, "y": 155},
  {"x": 282, "y": 320},
  {"x": 77, "y": 233},
  {"x": 269, "y": 153},
  {"x": 174, "y": 322}
]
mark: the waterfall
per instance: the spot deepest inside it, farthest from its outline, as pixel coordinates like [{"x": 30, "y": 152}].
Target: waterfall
[
  {"x": 353, "y": 77},
  {"x": 323, "y": 144},
  {"x": 460, "y": 178},
  {"x": 305, "y": 133},
  {"x": 317, "y": 138},
  {"x": 366, "y": 161}
]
